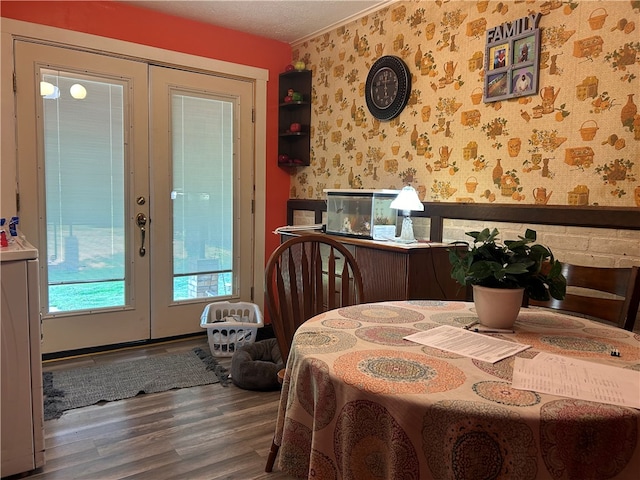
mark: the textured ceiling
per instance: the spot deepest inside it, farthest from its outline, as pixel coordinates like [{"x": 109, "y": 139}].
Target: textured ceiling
[{"x": 288, "y": 21}]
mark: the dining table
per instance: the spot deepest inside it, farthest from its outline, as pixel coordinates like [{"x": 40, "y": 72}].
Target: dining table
[{"x": 359, "y": 401}]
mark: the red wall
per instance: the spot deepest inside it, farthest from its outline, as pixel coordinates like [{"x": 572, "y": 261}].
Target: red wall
[{"x": 142, "y": 26}]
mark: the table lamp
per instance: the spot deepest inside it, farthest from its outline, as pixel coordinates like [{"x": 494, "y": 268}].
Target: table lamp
[{"x": 406, "y": 201}]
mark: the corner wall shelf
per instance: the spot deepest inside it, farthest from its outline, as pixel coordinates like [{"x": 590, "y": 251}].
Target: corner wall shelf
[{"x": 294, "y": 148}]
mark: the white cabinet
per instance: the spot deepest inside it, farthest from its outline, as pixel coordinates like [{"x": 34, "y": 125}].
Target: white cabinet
[{"x": 22, "y": 426}]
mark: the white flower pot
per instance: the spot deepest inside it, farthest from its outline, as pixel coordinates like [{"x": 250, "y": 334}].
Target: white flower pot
[{"x": 497, "y": 307}]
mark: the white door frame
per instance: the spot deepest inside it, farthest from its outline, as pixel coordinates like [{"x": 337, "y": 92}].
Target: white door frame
[{"x": 12, "y": 29}]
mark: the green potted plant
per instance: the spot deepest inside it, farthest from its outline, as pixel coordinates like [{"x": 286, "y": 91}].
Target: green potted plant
[{"x": 506, "y": 271}]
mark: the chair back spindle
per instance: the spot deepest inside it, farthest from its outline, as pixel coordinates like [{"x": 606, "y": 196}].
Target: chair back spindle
[
  {"x": 609, "y": 294},
  {"x": 306, "y": 276}
]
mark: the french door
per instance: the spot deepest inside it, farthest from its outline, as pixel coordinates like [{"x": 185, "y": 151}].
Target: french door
[{"x": 141, "y": 182}]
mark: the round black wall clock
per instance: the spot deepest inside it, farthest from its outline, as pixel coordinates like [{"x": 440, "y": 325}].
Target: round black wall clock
[{"x": 388, "y": 87}]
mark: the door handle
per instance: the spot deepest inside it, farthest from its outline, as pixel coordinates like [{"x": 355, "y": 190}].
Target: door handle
[{"x": 141, "y": 221}]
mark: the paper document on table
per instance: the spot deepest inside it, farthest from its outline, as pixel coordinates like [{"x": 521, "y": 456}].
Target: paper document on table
[
  {"x": 569, "y": 377},
  {"x": 469, "y": 344}
]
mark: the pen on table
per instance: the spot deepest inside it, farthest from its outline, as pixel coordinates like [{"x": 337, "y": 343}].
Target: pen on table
[
  {"x": 493, "y": 330},
  {"x": 468, "y": 327}
]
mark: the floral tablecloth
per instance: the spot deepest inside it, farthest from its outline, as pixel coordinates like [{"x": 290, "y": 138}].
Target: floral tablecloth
[{"x": 360, "y": 402}]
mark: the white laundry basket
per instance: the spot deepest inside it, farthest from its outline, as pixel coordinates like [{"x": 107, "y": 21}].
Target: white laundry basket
[{"x": 230, "y": 325}]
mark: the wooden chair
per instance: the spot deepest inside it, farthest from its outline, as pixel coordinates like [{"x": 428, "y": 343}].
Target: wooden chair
[
  {"x": 609, "y": 294},
  {"x": 305, "y": 276}
]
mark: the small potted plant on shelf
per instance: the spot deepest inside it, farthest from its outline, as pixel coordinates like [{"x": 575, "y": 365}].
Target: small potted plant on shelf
[{"x": 502, "y": 273}]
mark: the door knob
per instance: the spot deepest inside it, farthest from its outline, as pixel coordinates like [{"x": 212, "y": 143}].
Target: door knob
[{"x": 141, "y": 221}]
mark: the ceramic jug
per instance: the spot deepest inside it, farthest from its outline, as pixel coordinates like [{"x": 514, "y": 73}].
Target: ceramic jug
[
  {"x": 450, "y": 67},
  {"x": 547, "y": 94},
  {"x": 449, "y": 70},
  {"x": 628, "y": 111},
  {"x": 445, "y": 153},
  {"x": 548, "y": 98},
  {"x": 540, "y": 195}
]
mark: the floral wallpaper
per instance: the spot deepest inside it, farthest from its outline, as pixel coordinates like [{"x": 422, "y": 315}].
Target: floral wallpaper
[{"x": 575, "y": 142}]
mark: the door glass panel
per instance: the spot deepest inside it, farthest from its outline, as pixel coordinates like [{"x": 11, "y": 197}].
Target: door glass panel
[
  {"x": 203, "y": 196},
  {"x": 85, "y": 184}
]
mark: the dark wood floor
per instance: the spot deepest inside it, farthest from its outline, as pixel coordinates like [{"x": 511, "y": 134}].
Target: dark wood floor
[{"x": 209, "y": 432}]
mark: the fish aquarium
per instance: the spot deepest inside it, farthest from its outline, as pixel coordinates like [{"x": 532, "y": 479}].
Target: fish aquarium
[{"x": 361, "y": 213}]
